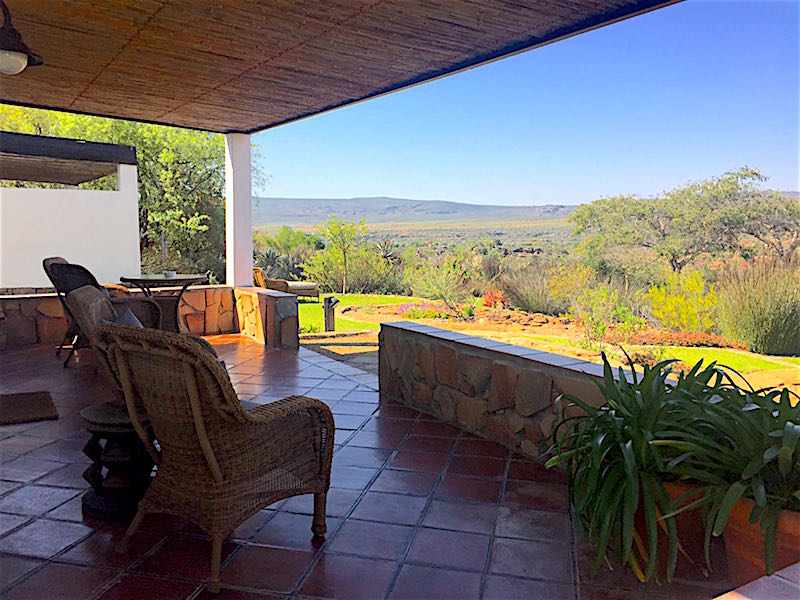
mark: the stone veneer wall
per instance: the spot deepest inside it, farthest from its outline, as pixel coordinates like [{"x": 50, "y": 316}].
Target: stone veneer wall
[
  {"x": 31, "y": 319},
  {"x": 265, "y": 315},
  {"x": 268, "y": 316},
  {"x": 502, "y": 392}
]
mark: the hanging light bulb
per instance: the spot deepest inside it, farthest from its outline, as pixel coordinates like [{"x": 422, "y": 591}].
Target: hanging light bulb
[{"x": 14, "y": 53}]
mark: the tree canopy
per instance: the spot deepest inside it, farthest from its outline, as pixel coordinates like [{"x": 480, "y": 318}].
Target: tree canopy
[
  {"x": 181, "y": 183},
  {"x": 693, "y": 220},
  {"x": 342, "y": 236}
]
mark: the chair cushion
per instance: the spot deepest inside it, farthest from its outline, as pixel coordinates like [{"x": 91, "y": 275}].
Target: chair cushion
[
  {"x": 127, "y": 318},
  {"x": 280, "y": 285},
  {"x": 301, "y": 286},
  {"x": 90, "y": 307}
]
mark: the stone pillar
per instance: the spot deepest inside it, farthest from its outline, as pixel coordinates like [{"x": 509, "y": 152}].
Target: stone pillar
[{"x": 238, "y": 211}]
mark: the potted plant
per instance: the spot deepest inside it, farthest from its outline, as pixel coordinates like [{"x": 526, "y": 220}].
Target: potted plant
[
  {"x": 621, "y": 458},
  {"x": 746, "y": 450}
]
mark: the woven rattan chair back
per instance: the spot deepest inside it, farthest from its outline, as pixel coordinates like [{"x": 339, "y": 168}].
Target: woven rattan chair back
[
  {"x": 65, "y": 278},
  {"x": 166, "y": 372}
]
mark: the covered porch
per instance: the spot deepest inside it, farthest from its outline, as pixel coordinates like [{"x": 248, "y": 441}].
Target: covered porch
[{"x": 418, "y": 507}]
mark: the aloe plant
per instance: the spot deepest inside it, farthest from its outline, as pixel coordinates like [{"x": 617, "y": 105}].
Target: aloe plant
[
  {"x": 744, "y": 443},
  {"x": 618, "y": 457}
]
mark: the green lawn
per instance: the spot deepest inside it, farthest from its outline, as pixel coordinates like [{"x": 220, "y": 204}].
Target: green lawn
[
  {"x": 310, "y": 312},
  {"x": 738, "y": 360},
  {"x": 735, "y": 359}
]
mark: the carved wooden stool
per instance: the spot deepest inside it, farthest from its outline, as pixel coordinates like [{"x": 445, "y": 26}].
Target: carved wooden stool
[{"x": 121, "y": 466}]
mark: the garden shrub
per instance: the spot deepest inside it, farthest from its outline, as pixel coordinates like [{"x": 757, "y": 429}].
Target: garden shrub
[
  {"x": 598, "y": 312},
  {"x": 568, "y": 280},
  {"x": 494, "y": 297},
  {"x": 442, "y": 278},
  {"x": 760, "y": 305},
  {"x": 367, "y": 271},
  {"x": 527, "y": 288},
  {"x": 684, "y": 302},
  {"x": 420, "y": 311},
  {"x": 282, "y": 255}
]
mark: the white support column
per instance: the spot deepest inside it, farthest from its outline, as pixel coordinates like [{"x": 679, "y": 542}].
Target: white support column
[{"x": 238, "y": 211}]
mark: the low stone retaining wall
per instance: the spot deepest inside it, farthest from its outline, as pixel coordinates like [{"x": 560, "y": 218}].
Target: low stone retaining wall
[
  {"x": 502, "y": 392},
  {"x": 267, "y": 316}
]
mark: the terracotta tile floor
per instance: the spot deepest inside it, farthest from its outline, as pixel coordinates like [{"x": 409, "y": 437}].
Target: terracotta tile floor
[{"x": 417, "y": 509}]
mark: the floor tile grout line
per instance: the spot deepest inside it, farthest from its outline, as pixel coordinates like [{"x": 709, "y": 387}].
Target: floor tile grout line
[
  {"x": 425, "y": 510},
  {"x": 493, "y": 534},
  {"x": 129, "y": 569},
  {"x": 54, "y": 560},
  {"x": 306, "y": 573}
]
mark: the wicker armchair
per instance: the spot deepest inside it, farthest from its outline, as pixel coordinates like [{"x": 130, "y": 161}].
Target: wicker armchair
[
  {"x": 218, "y": 463},
  {"x": 90, "y": 307}
]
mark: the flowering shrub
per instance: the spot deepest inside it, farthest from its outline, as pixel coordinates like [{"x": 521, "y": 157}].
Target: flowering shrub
[
  {"x": 567, "y": 281},
  {"x": 657, "y": 337},
  {"x": 495, "y": 297},
  {"x": 684, "y": 302},
  {"x": 420, "y": 311}
]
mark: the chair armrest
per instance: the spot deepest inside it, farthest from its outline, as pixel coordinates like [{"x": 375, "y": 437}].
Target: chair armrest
[
  {"x": 293, "y": 434},
  {"x": 292, "y": 405},
  {"x": 146, "y": 310}
]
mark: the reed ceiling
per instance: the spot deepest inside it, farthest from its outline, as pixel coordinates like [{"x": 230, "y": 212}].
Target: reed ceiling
[{"x": 247, "y": 65}]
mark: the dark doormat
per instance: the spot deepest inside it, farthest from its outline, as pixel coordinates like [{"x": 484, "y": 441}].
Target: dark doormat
[{"x": 26, "y": 407}]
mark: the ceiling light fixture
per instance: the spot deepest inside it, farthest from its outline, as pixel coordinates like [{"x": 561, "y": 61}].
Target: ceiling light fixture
[{"x": 14, "y": 53}]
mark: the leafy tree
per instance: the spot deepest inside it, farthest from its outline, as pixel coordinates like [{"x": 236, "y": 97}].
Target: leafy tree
[
  {"x": 680, "y": 225},
  {"x": 771, "y": 218},
  {"x": 342, "y": 236},
  {"x": 367, "y": 271},
  {"x": 181, "y": 183}
]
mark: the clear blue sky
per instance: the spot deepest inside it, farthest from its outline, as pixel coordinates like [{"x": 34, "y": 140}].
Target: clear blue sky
[{"x": 681, "y": 93}]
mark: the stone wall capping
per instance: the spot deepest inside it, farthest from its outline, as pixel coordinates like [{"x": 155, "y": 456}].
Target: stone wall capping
[
  {"x": 443, "y": 334},
  {"x": 478, "y": 342},
  {"x": 263, "y": 292},
  {"x": 556, "y": 360},
  {"x": 589, "y": 368},
  {"x": 513, "y": 350},
  {"x": 412, "y": 325},
  {"x": 13, "y": 297}
]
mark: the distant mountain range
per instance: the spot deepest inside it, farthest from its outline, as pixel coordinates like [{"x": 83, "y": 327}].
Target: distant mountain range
[{"x": 310, "y": 211}]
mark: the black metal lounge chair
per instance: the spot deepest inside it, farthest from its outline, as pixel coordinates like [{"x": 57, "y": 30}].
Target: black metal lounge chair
[{"x": 66, "y": 277}]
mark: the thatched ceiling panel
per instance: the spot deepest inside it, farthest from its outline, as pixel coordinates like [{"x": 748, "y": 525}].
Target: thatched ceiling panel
[{"x": 246, "y": 65}]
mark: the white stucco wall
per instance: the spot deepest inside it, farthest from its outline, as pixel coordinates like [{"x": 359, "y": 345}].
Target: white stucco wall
[{"x": 97, "y": 229}]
